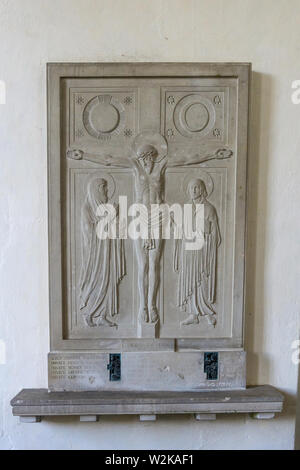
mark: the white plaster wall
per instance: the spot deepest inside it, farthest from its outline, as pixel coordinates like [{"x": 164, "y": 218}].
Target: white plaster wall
[{"x": 264, "y": 32}]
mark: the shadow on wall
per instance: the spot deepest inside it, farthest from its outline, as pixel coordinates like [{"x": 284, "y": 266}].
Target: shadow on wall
[
  {"x": 258, "y": 366},
  {"x": 258, "y": 170},
  {"x": 297, "y": 430}
]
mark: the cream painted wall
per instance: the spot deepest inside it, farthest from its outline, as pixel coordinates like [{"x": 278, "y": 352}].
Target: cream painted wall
[{"x": 264, "y": 32}]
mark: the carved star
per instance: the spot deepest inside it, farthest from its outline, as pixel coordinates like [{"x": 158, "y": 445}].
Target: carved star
[
  {"x": 171, "y": 99},
  {"x": 80, "y": 100},
  {"x": 79, "y": 133},
  {"x": 170, "y": 133},
  {"x": 128, "y": 100},
  {"x": 216, "y": 132},
  {"x": 217, "y": 99},
  {"x": 128, "y": 132}
]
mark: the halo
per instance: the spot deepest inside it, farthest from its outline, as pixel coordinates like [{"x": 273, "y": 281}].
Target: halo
[
  {"x": 111, "y": 185},
  {"x": 150, "y": 138},
  {"x": 209, "y": 184}
]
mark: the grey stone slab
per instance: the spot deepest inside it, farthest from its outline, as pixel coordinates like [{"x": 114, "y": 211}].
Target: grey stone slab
[
  {"x": 145, "y": 371},
  {"x": 40, "y": 402},
  {"x": 100, "y": 114}
]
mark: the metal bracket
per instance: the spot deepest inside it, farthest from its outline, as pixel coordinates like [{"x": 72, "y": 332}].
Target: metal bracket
[
  {"x": 211, "y": 365},
  {"x": 114, "y": 367}
]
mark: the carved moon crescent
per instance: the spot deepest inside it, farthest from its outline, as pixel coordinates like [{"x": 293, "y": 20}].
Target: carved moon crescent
[
  {"x": 198, "y": 174},
  {"x": 151, "y": 138},
  {"x": 194, "y": 116}
]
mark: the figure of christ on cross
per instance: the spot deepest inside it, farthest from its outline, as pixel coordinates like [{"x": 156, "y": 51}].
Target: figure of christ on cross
[{"x": 149, "y": 162}]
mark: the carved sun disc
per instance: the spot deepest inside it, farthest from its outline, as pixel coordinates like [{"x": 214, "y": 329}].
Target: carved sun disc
[{"x": 105, "y": 117}]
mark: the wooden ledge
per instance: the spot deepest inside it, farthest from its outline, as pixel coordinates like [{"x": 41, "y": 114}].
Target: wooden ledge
[{"x": 33, "y": 404}]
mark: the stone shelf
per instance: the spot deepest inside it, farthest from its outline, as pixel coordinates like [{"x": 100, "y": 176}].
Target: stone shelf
[{"x": 31, "y": 405}]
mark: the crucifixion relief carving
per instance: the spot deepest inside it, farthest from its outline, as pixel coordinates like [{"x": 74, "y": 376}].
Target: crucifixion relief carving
[
  {"x": 148, "y": 161},
  {"x": 147, "y": 189}
]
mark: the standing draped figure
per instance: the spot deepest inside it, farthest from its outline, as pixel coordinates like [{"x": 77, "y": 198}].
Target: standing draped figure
[
  {"x": 197, "y": 268},
  {"x": 103, "y": 261}
]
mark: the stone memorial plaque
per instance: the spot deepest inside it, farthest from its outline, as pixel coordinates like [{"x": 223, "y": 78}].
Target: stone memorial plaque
[
  {"x": 144, "y": 371},
  {"x": 141, "y": 296}
]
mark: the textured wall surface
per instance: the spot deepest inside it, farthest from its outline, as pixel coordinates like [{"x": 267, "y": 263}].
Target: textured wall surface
[{"x": 264, "y": 32}]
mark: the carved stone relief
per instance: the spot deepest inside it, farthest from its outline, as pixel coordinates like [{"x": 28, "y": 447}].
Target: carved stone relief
[
  {"x": 128, "y": 138},
  {"x": 195, "y": 114},
  {"x": 103, "y": 261},
  {"x": 156, "y": 141},
  {"x": 105, "y": 117},
  {"x": 197, "y": 268}
]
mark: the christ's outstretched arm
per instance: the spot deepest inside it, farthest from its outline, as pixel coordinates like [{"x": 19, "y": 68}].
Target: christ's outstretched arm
[
  {"x": 220, "y": 154},
  {"x": 106, "y": 160}
]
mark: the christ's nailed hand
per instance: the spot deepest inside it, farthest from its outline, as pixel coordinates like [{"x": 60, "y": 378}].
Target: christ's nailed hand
[
  {"x": 223, "y": 153},
  {"x": 75, "y": 154}
]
